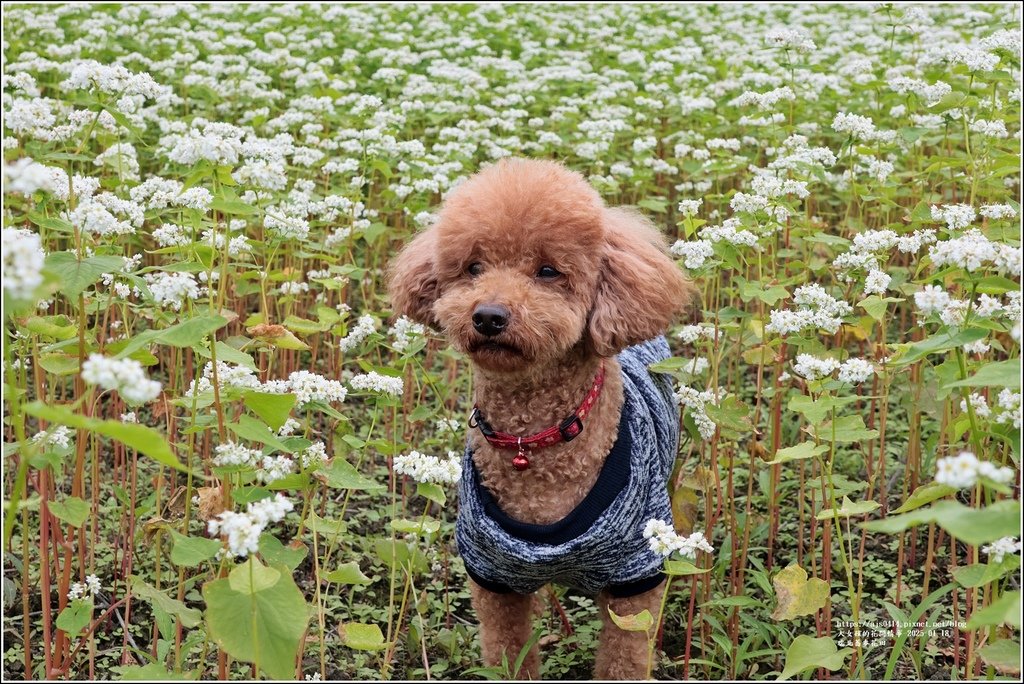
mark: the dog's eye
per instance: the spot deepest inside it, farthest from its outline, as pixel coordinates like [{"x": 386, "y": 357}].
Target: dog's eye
[
  {"x": 475, "y": 268},
  {"x": 548, "y": 272}
]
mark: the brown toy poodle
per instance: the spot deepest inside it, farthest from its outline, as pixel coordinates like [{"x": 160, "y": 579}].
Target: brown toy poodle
[{"x": 560, "y": 303}]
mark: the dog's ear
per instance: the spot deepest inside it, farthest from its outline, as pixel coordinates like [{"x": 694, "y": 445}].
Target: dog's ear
[
  {"x": 412, "y": 280},
  {"x": 639, "y": 289}
]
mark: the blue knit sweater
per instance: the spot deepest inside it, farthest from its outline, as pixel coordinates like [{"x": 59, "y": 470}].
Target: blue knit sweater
[{"x": 600, "y": 544}]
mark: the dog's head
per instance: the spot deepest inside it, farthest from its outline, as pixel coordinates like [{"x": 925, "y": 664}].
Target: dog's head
[{"x": 525, "y": 262}]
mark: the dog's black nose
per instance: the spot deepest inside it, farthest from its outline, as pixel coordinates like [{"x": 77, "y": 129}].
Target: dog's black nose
[{"x": 490, "y": 319}]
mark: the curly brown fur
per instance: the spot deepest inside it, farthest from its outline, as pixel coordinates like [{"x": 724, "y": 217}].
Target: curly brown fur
[
  {"x": 614, "y": 288},
  {"x": 622, "y": 654}
]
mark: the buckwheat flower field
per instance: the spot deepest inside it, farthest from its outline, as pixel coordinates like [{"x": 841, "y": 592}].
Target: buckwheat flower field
[{"x": 225, "y": 456}]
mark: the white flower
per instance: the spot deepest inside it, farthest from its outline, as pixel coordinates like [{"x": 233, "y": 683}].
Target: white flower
[
  {"x": 375, "y": 382},
  {"x": 694, "y": 254},
  {"x": 448, "y": 425},
  {"x": 963, "y": 470},
  {"x": 877, "y": 282},
  {"x": 313, "y": 455},
  {"x": 127, "y": 376},
  {"x": 243, "y": 530},
  {"x": 172, "y": 289},
  {"x": 663, "y": 540},
  {"x": 997, "y": 211},
  {"x": 997, "y": 550},
  {"x": 233, "y": 454},
  {"x": 813, "y": 368},
  {"x": 1009, "y": 404},
  {"x": 59, "y": 436},
  {"x": 129, "y": 417},
  {"x": 855, "y": 371},
  {"x": 816, "y": 309},
  {"x": 931, "y": 299},
  {"x": 289, "y": 427},
  {"x": 696, "y": 402},
  {"x": 23, "y": 259},
  {"x": 424, "y": 468},
  {"x": 956, "y": 216},
  {"x": 309, "y": 387},
  {"x": 404, "y": 331},
  {"x": 859, "y": 127},
  {"x": 273, "y": 468},
  {"x": 977, "y": 347},
  {"x": 978, "y": 403},
  {"x": 363, "y": 328},
  {"x": 690, "y": 207}
]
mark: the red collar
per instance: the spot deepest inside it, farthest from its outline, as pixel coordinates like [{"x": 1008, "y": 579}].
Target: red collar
[{"x": 566, "y": 431}]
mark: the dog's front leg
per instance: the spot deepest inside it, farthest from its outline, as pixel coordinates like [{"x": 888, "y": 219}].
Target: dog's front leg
[
  {"x": 505, "y": 628},
  {"x": 622, "y": 654}
]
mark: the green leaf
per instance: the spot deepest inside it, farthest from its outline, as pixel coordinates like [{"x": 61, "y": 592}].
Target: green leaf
[
  {"x": 974, "y": 526},
  {"x": 925, "y": 494},
  {"x": 733, "y": 602},
  {"x": 798, "y": 452},
  {"x": 993, "y": 374},
  {"x": 426, "y": 526},
  {"x": 1003, "y": 655},
  {"x": 59, "y": 364},
  {"x": 948, "y": 101},
  {"x": 730, "y": 414},
  {"x": 848, "y": 509},
  {"x": 139, "y": 437},
  {"x": 54, "y": 327},
  {"x": 324, "y": 526},
  {"x": 253, "y": 430},
  {"x": 431, "y": 491},
  {"x": 361, "y": 637},
  {"x": 676, "y": 568},
  {"x": 939, "y": 342},
  {"x": 71, "y": 510},
  {"x": 236, "y": 207},
  {"x": 190, "y": 617},
  {"x": 75, "y": 276},
  {"x": 191, "y": 551},
  {"x": 278, "y": 336},
  {"x": 807, "y": 652},
  {"x": 816, "y": 411},
  {"x": 1003, "y": 611},
  {"x": 876, "y": 306},
  {"x": 263, "y": 626},
  {"x": 273, "y": 409},
  {"x": 847, "y": 429},
  {"x": 75, "y": 617},
  {"x": 349, "y": 573},
  {"x": 798, "y": 595},
  {"x": 304, "y": 326},
  {"x": 640, "y": 622},
  {"x": 340, "y": 474},
  {"x": 186, "y": 334},
  {"x": 276, "y": 553},
  {"x": 153, "y": 672},
  {"x": 252, "y": 576},
  {"x": 980, "y": 574}
]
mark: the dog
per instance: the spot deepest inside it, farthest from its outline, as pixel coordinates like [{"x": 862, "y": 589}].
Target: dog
[{"x": 560, "y": 303}]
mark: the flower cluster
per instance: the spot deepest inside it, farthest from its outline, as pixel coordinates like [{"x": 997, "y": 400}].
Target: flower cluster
[
  {"x": 375, "y": 382},
  {"x": 242, "y": 530},
  {"x": 964, "y": 470},
  {"x": 697, "y": 401},
  {"x": 124, "y": 375},
  {"x": 663, "y": 540},
  {"x": 22, "y": 263},
  {"x": 425, "y": 468},
  {"x": 816, "y": 309},
  {"x": 91, "y": 587},
  {"x": 1000, "y": 548}
]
